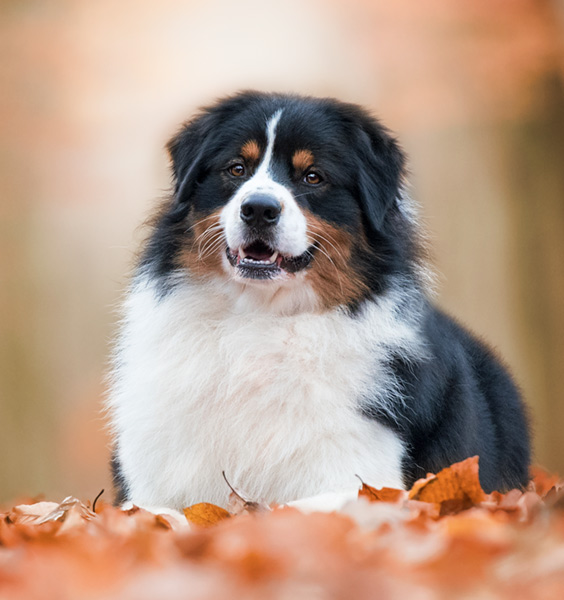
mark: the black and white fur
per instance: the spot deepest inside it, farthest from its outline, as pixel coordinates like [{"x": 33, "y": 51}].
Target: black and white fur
[{"x": 295, "y": 372}]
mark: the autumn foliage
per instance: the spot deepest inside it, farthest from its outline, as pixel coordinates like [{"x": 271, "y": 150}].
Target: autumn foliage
[{"x": 445, "y": 538}]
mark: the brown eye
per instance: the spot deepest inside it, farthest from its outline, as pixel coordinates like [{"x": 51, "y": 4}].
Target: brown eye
[
  {"x": 237, "y": 170},
  {"x": 313, "y": 178}
]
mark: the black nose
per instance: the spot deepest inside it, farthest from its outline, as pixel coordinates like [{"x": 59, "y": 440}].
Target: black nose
[{"x": 260, "y": 210}]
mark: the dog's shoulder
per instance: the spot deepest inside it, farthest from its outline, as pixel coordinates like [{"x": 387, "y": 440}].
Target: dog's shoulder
[{"x": 460, "y": 401}]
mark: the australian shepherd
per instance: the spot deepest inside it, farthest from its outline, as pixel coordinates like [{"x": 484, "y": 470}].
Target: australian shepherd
[{"x": 278, "y": 327}]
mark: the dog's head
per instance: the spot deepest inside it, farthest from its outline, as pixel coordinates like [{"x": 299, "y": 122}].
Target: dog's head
[{"x": 277, "y": 190}]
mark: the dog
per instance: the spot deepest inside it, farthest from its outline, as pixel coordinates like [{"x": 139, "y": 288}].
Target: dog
[{"x": 279, "y": 330}]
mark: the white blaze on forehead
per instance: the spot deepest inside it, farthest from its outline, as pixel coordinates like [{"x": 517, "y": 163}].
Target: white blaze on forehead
[
  {"x": 291, "y": 230},
  {"x": 264, "y": 167}
]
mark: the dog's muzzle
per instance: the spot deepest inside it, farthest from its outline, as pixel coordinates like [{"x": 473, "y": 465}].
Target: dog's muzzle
[{"x": 258, "y": 257}]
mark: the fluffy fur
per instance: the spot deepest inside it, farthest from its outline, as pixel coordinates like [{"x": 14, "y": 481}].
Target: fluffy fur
[{"x": 278, "y": 328}]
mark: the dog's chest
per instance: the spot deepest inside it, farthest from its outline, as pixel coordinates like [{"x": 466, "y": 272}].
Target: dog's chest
[{"x": 272, "y": 401}]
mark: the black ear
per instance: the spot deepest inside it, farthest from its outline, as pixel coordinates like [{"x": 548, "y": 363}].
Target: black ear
[
  {"x": 381, "y": 170},
  {"x": 195, "y": 141},
  {"x": 187, "y": 150}
]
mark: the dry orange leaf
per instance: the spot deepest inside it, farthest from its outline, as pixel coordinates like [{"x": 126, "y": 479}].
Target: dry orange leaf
[
  {"x": 542, "y": 481},
  {"x": 459, "y": 482},
  {"x": 384, "y": 494},
  {"x": 205, "y": 514}
]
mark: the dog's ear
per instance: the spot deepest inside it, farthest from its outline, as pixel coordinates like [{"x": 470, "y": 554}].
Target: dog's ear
[
  {"x": 381, "y": 169},
  {"x": 187, "y": 150},
  {"x": 190, "y": 148}
]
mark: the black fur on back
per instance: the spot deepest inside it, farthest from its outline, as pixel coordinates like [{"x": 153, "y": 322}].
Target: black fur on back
[{"x": 459, "y": 402}]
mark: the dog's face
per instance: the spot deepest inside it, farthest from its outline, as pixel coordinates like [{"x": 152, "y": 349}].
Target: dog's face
[{"x": 280, "y": 190}]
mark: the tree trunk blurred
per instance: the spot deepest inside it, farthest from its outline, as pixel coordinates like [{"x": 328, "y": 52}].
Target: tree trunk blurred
[{"x": 533, "y": 157}]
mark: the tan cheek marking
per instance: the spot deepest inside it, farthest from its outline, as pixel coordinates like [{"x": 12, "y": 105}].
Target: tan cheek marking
[
  {"x": 331, "y": 274},
  {"x": 202, "y": 253},
  {"x": 251, "y": 151},
  {"x": 302, "y": 159}
]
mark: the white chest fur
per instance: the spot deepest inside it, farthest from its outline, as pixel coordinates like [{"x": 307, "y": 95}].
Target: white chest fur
[{"x": 272, "y": 400}]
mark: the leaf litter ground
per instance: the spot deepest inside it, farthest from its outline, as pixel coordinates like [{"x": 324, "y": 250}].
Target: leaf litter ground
[{"x": 444, "y": 538}]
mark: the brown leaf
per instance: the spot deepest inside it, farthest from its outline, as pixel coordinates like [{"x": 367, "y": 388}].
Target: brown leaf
[
  {"x": 384, "y": 494},
  {"x": 28, "y": 513},
  {"x": 44, "y": 512},
  {"x": 205, "y": 514},
  {"x": 542, "y": 481},
  {"x": 67, "y": 506},
  {"x": 239, "y": 504},
  {"x": 455, "y": 488}
]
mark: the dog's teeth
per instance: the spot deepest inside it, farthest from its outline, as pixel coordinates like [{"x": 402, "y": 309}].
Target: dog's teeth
[
  {"x": 254, "y": 261},
  {"x": 243, "y": 258}
]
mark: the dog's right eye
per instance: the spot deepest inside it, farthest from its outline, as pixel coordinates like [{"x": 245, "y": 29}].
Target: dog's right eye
[{"x": 237, "y": 170}]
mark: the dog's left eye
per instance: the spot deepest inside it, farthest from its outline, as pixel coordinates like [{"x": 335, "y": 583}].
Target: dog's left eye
[
  {"x": 237, "y": 170},
  {"x": 313, "y": 178}
]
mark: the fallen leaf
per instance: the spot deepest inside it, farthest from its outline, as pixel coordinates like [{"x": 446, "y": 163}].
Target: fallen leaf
[
  {"x": 455, "y": 488},
  {"x": 45, "y": 512},
  {"x": 205, "y": 514},
  {"x": 384, "y": 494},
  {"x": 67, "y": 506},
  {"x": 542, "y": 481},
  {"x": 28, "y": 513},
  {"x": 239, "y": 504}
]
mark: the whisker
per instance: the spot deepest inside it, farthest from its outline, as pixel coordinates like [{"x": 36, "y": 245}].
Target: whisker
[
  {"x": 215, "y": 246},
  {"x": 323, "y": 251},
  {"x": 210, "y": 229},
  {"x": 320, "y": 235},
  {"x": 212, "y": 235},
  {"x": 339, "y": 252},
  {"x": 211, "y": 251},
  {"x": 318, "y": 227},
  {"x": 211, "y": 245},
  {"x": 207, "y": 236},
  {"x": 204, "y": 219}
]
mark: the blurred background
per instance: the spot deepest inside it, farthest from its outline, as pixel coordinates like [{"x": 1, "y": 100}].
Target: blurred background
[{"x": 91, "y": 91}]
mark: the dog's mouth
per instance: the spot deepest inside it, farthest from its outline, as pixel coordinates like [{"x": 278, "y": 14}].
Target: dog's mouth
[{"x": 260, "y": 261}]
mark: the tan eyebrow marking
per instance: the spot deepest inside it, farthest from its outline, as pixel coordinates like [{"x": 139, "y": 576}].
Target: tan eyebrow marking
[
  {"x": 251, "y": 151},
  {"x": 302, "y": 159}
]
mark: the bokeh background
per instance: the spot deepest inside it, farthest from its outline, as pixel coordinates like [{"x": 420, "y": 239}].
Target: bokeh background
[{"x": 91, "y": 91}]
